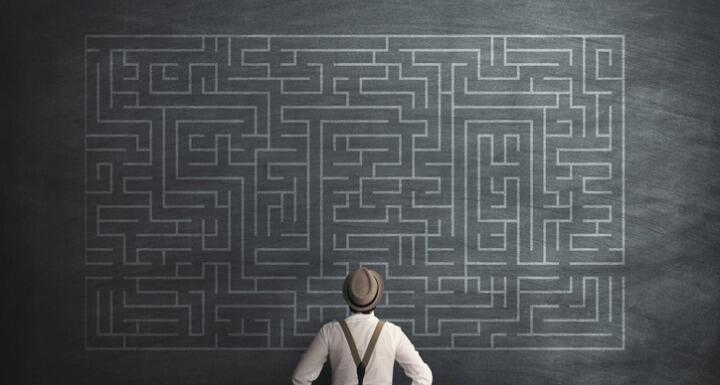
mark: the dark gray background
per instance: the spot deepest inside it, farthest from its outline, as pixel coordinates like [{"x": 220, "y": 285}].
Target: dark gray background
[{"x": 673, "y": 184}]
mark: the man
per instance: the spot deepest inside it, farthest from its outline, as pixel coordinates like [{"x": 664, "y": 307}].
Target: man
[{"x": 362, "y": 348}]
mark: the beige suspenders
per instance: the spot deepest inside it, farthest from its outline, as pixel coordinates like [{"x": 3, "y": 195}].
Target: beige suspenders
[{"x": 361, "y": 365}]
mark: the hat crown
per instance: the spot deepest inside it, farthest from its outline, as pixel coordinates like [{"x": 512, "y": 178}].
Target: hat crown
[{"x": 363, "y": 287}]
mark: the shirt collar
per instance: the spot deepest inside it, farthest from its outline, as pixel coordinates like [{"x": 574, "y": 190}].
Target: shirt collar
[{"x": 360, "y": 316}]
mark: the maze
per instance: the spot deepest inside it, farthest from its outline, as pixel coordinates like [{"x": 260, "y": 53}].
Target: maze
[{"x": 233, "y": 181}]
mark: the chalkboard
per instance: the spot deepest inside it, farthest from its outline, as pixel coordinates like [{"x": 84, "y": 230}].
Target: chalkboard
[{"x": 186, "y": 185}]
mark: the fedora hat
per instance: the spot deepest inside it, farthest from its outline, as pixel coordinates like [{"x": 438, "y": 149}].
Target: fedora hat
[{"x": 363, "y": 289}]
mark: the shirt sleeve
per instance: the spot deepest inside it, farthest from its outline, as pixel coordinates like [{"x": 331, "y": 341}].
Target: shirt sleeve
[
  {"x": 312, "y": 361},
  {"x": 412, "y": 364}
]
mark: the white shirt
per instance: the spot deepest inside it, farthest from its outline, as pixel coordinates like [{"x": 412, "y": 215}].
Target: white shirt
[{"x": 392, "y": 345}]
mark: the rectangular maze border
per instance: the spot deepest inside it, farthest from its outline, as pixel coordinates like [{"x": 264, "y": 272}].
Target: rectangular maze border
[{"x": 486, "y": 171}]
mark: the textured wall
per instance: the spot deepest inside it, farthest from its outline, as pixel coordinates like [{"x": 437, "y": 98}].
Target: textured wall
[
  {"x": 188, "y": 187},
  {"x": 234, "y": 181}
]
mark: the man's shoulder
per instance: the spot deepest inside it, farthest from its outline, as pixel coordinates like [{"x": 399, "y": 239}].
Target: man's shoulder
[
  {"x": 396, "y": 329},
  {"x": 330, "y": 326}
]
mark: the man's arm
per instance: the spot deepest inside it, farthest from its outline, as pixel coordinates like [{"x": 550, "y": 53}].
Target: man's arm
[
  {"x": 312, "y": 361},
  {"x": 411, "y": 362}
]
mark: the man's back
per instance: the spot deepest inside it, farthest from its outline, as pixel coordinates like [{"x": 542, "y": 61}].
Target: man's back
[{"x": 392, "y": 345}]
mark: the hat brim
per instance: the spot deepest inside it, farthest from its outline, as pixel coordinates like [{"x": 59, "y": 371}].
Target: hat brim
[{"x": 372, "y": 304}]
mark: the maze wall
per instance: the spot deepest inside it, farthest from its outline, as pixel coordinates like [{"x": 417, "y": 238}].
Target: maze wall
[{"x": 233, "y": 181}]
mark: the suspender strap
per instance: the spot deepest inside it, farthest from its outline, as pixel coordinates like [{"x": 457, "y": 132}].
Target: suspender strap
[
  {"x": 361, "y": 365},
  {"x": 351, "y": 343},
  {"x": 371, "y": 345}
]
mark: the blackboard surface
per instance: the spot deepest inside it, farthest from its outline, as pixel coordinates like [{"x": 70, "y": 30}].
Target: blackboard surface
[{"x": 672, "y": 184}]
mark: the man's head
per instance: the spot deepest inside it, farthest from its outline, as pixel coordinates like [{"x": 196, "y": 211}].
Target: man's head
[{"x": 363, "y": 289}]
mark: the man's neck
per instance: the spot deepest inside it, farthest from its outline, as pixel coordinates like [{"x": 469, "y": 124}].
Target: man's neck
[{"x": 362, "y": 313}]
